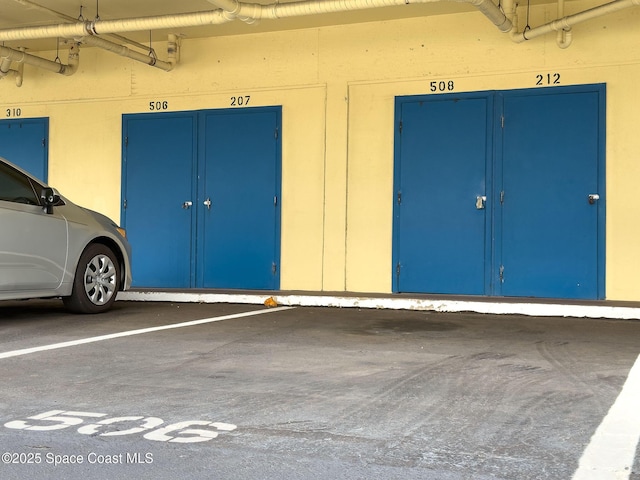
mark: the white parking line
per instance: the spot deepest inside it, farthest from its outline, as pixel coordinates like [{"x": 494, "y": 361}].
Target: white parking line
[
  {"x": 612, "y": 450},
  {"x": 73, "y": 343}
]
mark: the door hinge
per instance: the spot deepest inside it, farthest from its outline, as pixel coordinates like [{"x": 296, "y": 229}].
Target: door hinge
[
  {"x": 44, "y": 143},
  {"x": 400, "y": 127},
  {"x": 274, "y": 268},
  {"x": 502, "y": 197},
  {"x": 502, "y": 121},
  {"x": 124, "y": 203},
  {"x": 275, "y": 200},
  {"x": 399, "y": 198},
  {"x": 126, "y": 141},
  {"x": 501, "y": 273},
  {"x": 276, "y": 134},
  {"x": 398, "y": 269}
]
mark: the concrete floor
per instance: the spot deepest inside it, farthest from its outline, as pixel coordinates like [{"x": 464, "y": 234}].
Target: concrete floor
[{"x": 308, "y": 393}]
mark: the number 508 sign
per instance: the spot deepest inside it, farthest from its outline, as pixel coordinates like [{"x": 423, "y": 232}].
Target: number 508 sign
[{"x": 190, "y": 431}]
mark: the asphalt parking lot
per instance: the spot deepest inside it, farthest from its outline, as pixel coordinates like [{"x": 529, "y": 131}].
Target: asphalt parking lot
[{"x": 222, "y": 391}]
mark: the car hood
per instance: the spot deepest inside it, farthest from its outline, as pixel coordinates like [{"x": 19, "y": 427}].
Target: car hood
[{"x": 84, "y": 216}]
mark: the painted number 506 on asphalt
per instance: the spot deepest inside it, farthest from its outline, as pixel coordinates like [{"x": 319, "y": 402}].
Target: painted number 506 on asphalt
[{"x": 181, "y": 432}]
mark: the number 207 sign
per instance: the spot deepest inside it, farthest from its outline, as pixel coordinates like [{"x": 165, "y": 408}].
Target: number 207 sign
[{"x": 190, "y": 431}]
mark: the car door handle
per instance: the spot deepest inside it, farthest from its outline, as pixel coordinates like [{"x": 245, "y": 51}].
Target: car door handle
[{"x": 187, "y": 204}]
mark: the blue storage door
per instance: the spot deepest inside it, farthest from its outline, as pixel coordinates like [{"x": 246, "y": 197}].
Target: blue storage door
[
  {"x": 240, "y": 239},
  {"x": 24, "y": 143},
  {"x": 441, "y": 240},
  {"x": 159, "y": 157},
  {"x": 550, "y": 231}
]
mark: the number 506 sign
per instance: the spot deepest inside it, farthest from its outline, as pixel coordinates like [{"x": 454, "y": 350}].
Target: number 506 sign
[{"x": 181, "y": 432}]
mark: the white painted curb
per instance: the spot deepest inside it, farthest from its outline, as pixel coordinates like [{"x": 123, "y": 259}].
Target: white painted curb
[{"x": 500, "y": 308}]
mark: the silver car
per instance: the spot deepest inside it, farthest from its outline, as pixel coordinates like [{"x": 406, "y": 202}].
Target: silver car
[{"x": 50, "y": 247}]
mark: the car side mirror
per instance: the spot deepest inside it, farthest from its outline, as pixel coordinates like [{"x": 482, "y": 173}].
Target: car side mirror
[{"x": 49, "y": 198}]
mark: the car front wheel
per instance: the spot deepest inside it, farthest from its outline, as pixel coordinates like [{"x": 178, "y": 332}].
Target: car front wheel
[{"x": 96, "y": 282}]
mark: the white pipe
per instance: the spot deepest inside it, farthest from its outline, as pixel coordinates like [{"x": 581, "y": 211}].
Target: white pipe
[
  {"x": 19, "y": 74},
  {"x": 563, "y": 38},
  {"x": 5, "y": 71},
  {"x": 13, "y": 73},
  {"x": 565, "y": 23},
  {"x": 5, "y": 67},
  {"x": 104, "y": 27},
  {"x": 19, "y": 71},
  {"x": 231, "y": 10},
  {"x": 493, "y": 13},
  {"x": 125, "y": 52},
  {"x": 503, "y": 21},
  {"x": 251, "y": 12},
  {"x": 70, "y": 19},
  {"x": 149, "y": 58},
  {"x": 55, "y": 67},
  {"x": 217, "y": 17}
]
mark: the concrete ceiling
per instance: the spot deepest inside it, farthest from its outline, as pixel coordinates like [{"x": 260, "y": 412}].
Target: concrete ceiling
[{"x": 15, "y": 14}]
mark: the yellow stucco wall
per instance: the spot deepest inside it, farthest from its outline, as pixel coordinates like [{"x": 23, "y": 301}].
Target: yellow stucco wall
[{"x": 337, "y": 87}]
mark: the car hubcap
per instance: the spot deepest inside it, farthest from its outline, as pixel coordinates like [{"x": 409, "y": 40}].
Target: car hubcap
[{"x": 100, "y": 279}]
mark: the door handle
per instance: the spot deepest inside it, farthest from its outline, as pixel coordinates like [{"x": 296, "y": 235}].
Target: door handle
[
  {"x": 187, "y": 204},
  {"x": 481, "y": 200},
  {"x": 593, "y": 198},
  {"x": 207, "y": 203}
]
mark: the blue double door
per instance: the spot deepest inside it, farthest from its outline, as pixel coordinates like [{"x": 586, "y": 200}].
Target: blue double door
[
  {"x": 24, "y": 142},
  {"x": 501, "y": 193},
  {"x": 201, "y": 198}
]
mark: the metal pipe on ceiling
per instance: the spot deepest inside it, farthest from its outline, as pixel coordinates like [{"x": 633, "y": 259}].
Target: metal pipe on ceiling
[
  {"x": 217, "y": 17},
  {"x": 123, "y": 51},
  {"x": 253, "y": 12},
  {"x": 564, "y": 23},
  {"x": 5, "y": 67},
  {"x": 564, "y": 37},
  {"x": 52, "y": 66},
  {"x": 70, "y": 19},
  {"x": 147, "y": 58},
  {"x": 230, "y": 9},
  {"x": 6, "y": 71},
  {"x": 104, "y": 27}
]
